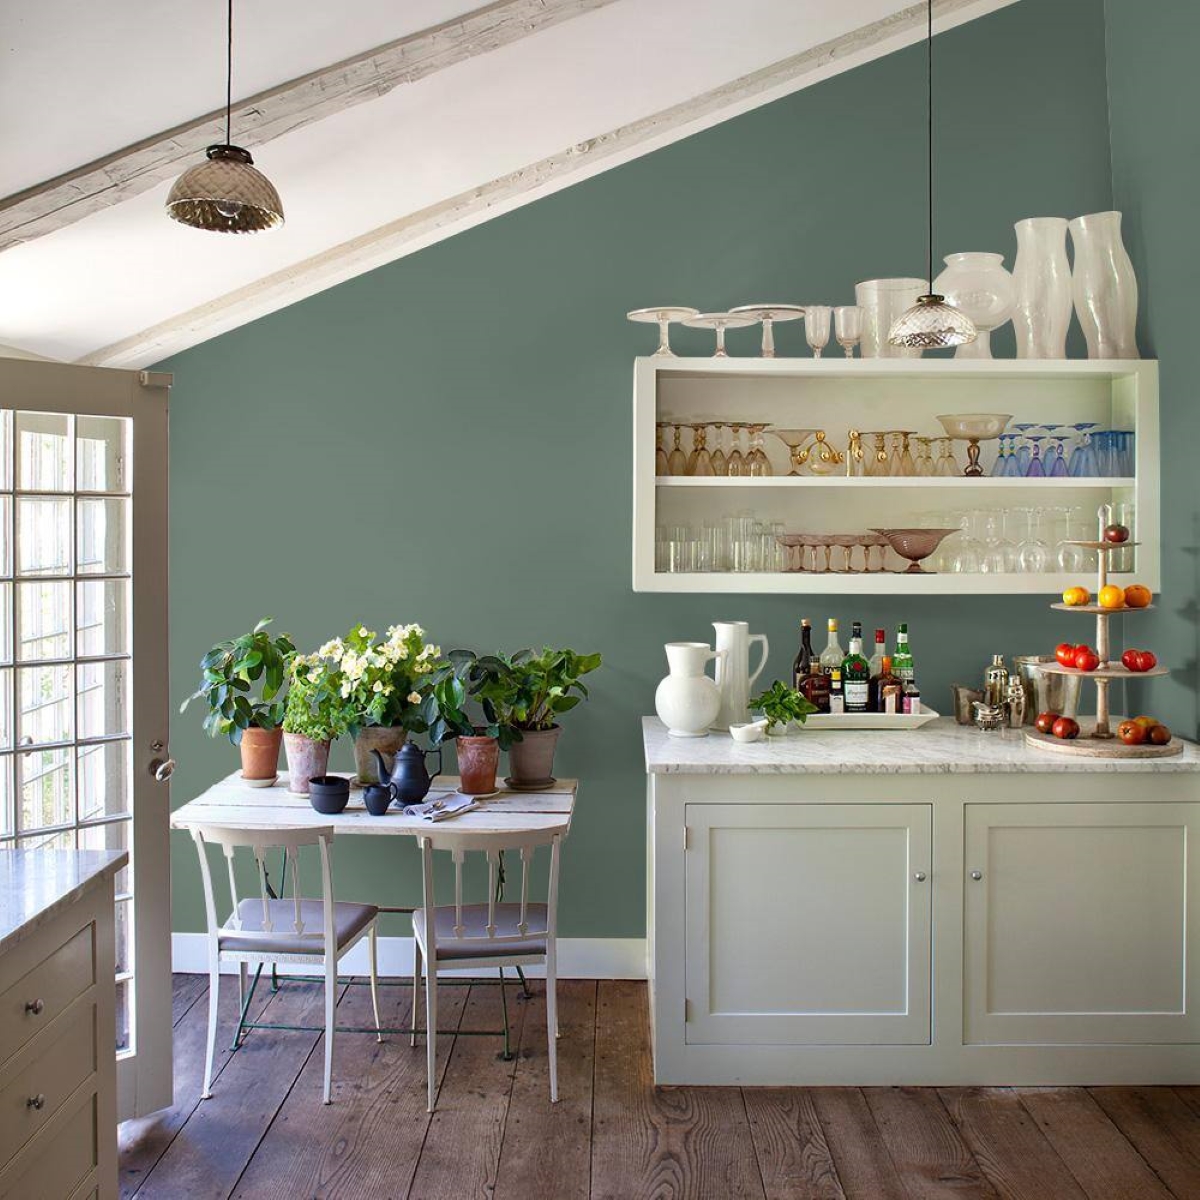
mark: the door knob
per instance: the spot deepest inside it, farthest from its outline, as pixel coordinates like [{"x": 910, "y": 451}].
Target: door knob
[
  {"x": 162, "y": 769},
  {"x": 977, "y": 875},
  {"x": 919, "y": 876}
]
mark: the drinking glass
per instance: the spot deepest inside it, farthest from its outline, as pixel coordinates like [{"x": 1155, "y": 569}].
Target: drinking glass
[
  {"x": 925, "y": 456},
  {"x": 700, "y": 460},
  {"x": 847, "y": 325},
  {"x": 1124, "y": 458},
  {"x": 757, "y": 461},
  {"x": 816, "y": 327},
  {"x": 994, "y": 560},
  {"x": 968, "y": 554},
  {"x": 1023, "y": 452},
  {"x": 1034, "y": 554},
  {"x": 895, "y": 464},
  {"x": 677, "y": 461},
  {"x": 1082, "y": 462},
  {"x": 1058, "y": 465},
  {"x": 661, "y": 466},
  {"x": 1124, "y": 513},
  {"x": 1001, "y": 464},
  {"x": 720, "y": 461},
  {"x": 907, "y": 465},
  {"x": 737, "y": 461},
  {"x": 946, "y": 464},
  {"x": 1035, "y": 469},
  {"x": 877, "y": 459}
]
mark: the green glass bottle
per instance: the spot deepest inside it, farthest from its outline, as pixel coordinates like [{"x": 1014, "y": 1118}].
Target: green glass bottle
[
  {"x": 902, "y": 660},
  {"x": 856, "y": 673}
]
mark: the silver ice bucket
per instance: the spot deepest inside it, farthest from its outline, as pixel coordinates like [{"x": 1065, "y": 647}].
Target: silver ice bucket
[{"x": 1046, "y": 692}]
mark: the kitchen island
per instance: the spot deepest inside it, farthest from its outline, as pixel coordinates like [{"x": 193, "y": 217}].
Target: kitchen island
[{"x": 933, "y": 906}]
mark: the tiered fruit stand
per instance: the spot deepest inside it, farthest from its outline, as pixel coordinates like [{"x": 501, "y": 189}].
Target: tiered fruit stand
[{"x": 1098, "y": 740}]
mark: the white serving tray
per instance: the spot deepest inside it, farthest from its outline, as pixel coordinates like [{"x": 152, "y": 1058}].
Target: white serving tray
[{"x": 870, "y": 720}]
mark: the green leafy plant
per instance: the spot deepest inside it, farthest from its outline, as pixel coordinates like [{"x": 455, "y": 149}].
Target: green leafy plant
[
  {"x": 316, "y": 707},
  {"x": 230, "y": 672},
  {"x": 467, "y": 683},
  {"x": 543, "y": 687},
  {"x": 781, "y": 705}
]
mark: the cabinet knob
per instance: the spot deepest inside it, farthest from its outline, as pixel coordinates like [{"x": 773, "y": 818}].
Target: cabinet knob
[
  {"x": 38, "y": 1101},
  {"x": 919, "y": 876},
  {"x": 35, "y": 1007},
  {"x": 977, "y": 875}
]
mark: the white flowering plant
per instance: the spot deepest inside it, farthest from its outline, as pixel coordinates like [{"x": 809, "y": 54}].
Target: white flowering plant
[{"x": 382, "y": 681}]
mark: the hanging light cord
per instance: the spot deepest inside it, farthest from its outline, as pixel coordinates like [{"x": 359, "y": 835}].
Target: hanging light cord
[
  {"x": 229, "y": 79},
  {"x": 929, "y": 97}
]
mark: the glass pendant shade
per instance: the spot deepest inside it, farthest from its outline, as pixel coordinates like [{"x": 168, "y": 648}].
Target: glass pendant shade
[
  {"x": 932, "y": 324},
  {"x": 225, "y": 194}
]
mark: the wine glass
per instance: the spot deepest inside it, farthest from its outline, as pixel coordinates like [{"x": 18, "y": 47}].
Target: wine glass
[
  {"x": 677, "y": 461},
  {"x": 661, "y": 465},
  {"x": 700, "y": 460},
  {"x": 816, "y": 327},
  {"x": 847, "y": 325},
  {"x": 794, "y": 439},
  {"x": 663, "y": 318},
  {"x": 1036, "y": 468},
  {"x": 877, "y": 459},
  {"x": 737, "y": 461},
  {"x": 1058, "y": 465},
  {"x": 1082, "y": 461},
  {"x": 720, "y": 463},
  {"x": 925, "y": 456},
  {"x": 1033, "y": 552},
  {"x": 946, "y": 464},
  {"x": 907, "y": 465},
  {"x": 1023, "y": 452},
  {"x": 1001, "y": 464},
  {"x": 757, "y": 461}
]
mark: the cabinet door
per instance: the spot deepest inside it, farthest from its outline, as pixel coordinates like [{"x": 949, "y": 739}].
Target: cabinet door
[
  {"x": 808, "y": 924},
  {"x": 1080, "y": 920}
]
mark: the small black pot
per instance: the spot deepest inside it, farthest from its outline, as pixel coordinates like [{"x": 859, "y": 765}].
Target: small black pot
[
  {"x": 329, "y": 794},
  {"x": 377, "y": 798}
]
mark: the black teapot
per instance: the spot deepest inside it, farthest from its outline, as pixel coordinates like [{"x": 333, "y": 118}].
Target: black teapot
[{"x": 410, "y": 780}]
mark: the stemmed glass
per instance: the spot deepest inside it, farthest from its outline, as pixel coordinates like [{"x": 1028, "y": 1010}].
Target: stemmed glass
[
  {"x": 1000, "y": 466},
  {"x": 1036, "y": 469},
  {"x": 677, "y": 461},
  {"x": 700, "y": 460},
  {"x": 661, "y": 465},
  {"x": 737, "y": 461},
  {"x": 816, "y": 327},
  {"x": 720, "y": 463},
  {"x": 1083, "y": 456},
  {"x": 877, "y": 458},
  {"x": 757, "y": 461},
  {"x": 794, "y": 439},
  {"x": 946, "y": 465},
  {"x": 663, "y": 318},
  {"x": 720, "y": 322},
  {"x": 925, "y": 456},
  {"x": 847, "y": 324},
  {"x": 1023, "y": 451},
  {"x": 1058, "y": 468},
  {"x": 968, "y": 553},
  {"x": 1033, "y": 554}
]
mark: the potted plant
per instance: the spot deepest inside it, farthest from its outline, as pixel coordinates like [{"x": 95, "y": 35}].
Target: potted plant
[
  {"x": 383, "y": 686},
  {"x": 315, "y": 714},
  {"x": 470, "y": 679},
  {"x": 782, "y": 705},
  {"x": 540, "y": 688},
  {"x": 230, "y": 673}
]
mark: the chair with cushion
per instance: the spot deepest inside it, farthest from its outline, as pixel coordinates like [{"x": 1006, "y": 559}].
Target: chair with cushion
[
  {"x": 496, "y": 933},
  {"x": 271, "y": 930}
]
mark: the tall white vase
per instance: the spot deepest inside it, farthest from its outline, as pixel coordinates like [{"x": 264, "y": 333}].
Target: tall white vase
[
  {"x": 734, "y": 678},
  {"x": 1104, "y": 286},
  {"x": 976, "y": 283},
  {"x": 687, "y": 700},
  {"x": 1042, "y": 275}
]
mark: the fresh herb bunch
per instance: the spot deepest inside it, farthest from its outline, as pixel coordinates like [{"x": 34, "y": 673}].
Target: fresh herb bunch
[{"x": 781, "y": 705}]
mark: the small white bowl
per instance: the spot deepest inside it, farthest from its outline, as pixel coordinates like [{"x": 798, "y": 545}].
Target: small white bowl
[{"x": 751, "y": 732}]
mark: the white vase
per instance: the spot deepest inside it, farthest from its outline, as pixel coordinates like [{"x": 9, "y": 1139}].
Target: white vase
[
  {"x": 977, "y": 284},
  {"x": 687, "y": 700},
  {"x": 1104, "y": 286},
  {"x": 734, "y": 678},
  {"x": 1042, "y": 276},
  {"x": 882, "y": 302}
]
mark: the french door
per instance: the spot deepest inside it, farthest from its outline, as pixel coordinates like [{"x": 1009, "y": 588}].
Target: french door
[{"x": 83, "y": 663}]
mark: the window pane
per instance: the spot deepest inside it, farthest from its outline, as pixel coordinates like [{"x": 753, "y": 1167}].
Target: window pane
[
  {"x": 46, "y": 702},
  {"x": 44, "y": 620},
  {"x": 7, "y": 827},
  {"x": 6, "y": 598},
  {"x": 102, "y": 454},
  {"x": 124, "y": 939},
  {"x": 104, "y": 787},
  {"x": 112, "y": 835},
  {"x": 6, "y": 721},
  {"x": 6, "y": 509},
  {"x": 44, "y": 457},
  {"x": 124, "y": 1015},
  {"x": 45, "y": 788},
  {"x": 6, "y": 450},
  {"x": 102, "y": 617},
  {"x": 43, "y": 535},
  {"x": 103, "y": 690},
  {"x": 103, "y": 536},
  {"x": 48, "y": 841}
]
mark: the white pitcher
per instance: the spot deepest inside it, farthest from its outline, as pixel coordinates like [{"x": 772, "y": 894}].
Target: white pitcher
[
  {"x": 687, "y": 700},
  {"x": 733, "y": 672}
]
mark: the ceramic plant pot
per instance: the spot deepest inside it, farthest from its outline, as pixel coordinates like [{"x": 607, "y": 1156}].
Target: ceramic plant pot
[
  {"x": 306, "y": 760},
  {"x": 478, "y": 758},
  {"x": 531, "y": 760},
  {"x": 387, "y": 739},
  {"x": 329, "y": 794},
  {"x": 260, "y": 753}
]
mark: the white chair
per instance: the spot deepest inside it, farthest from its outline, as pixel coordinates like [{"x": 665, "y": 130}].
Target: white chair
[
  {"x": 477, "y": 936},
  {"x": 269, "y": 930}
]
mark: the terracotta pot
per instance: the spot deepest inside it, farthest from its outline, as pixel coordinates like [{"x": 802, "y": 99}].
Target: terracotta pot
[
  {"x": 260, "y": 753},
  {"x": 306, "y": 759},
  {"x": 531, "y": 760},
  {"x": 387, "y": 739},
  {"x": 478, "y": 758}
]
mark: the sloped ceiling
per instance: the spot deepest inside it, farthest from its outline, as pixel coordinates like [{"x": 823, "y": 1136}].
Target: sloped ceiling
[{"x": 536, "y": 95}]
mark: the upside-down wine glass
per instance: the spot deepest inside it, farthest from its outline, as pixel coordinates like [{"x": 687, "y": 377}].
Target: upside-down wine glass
[
  {"x": 661, "y": 465},
  {"x": 925, "y": 456},
  {"x": 1082, "y": 462},
  {"x": 700, "y": 460},
  {"x": 677, "y": 461},
  {"x": 759, "y": 464},
  {"x": 720, "y": 462},
  {"x": 947, "y": 466},
  {"x": 1023, "y": 452},
  {"x": 1036, "y": 468},
  {"x": 737, "y": 460}
]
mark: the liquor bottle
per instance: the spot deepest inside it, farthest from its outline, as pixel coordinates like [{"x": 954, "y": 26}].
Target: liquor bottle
[
  {"x": 837, "y": 698},
  {"x": 880, "y": 651},
  {"x": 902, "y": 660},
  {"x": 912, "y": 697},
  {"x": 833, "y": 654},
  {"x": 856, "y": 673},
  {"x": 802, "y": 667},
  {"x": 887, "y": 690}
]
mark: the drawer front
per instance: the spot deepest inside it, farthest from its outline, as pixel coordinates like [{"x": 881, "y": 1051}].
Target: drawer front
[
  {"x": 60, "y": 1158},
  {"x": 30, "y": 1004},
  {"x": 30, "y": 1097}
]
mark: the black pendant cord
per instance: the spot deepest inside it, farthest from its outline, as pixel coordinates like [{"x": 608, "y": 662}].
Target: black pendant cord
[
  {"x": 229, "y": 79},
  {"x": 929, "y": 97}
]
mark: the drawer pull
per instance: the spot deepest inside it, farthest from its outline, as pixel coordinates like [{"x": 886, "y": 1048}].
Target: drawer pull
[
  {"x": 38, "y": 1101},
  {"x": 35, "y": 1007}
]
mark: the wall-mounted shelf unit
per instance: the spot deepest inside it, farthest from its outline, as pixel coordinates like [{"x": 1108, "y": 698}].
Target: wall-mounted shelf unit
[{"x": 836, "y": 395}]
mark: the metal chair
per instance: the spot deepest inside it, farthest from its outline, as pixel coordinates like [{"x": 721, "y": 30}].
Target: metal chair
[
  {"x": 494, "y": 934},
  {"x": 271, "y": 930}
]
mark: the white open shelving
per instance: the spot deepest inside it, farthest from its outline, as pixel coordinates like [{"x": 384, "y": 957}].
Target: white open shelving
[{"x": 836, "y": 395}]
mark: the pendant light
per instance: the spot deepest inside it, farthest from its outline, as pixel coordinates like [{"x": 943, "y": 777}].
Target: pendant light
[
  {"x": 931, "y": 323},
  {"x": 225, "y": 193}
]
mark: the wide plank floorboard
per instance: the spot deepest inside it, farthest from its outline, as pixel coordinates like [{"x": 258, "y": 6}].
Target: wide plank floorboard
[
  {"x": 1165, "y": 1130},
  {"x": 864, "y": 1166},
  {"x": 794, "y": 1158}
]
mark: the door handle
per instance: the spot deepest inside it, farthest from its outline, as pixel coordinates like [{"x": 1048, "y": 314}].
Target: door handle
[{"x": 162, "y": 769}]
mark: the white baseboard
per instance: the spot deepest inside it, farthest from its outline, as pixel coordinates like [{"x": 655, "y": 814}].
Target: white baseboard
[{"x": 578, "y": 958}]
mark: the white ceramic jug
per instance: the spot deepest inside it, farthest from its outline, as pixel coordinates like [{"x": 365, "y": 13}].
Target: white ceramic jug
[
  {"x": 687, "y": 700},
  {"x": 733, "y": 672}
]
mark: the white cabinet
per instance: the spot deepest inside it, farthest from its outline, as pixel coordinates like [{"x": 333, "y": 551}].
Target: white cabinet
[
  {"x": 808, "y": 923},
  {"x": 1079, "y": 922}
]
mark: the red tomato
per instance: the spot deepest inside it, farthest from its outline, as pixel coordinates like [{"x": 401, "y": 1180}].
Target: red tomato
[
  {"x": 1086, "y": 659},
  {"x": 1066, "y": 728},
  {"x": 1065, "y": 653},
  {"x": 1045, "y": 721},
  {"x": 1139, "y": 660}
]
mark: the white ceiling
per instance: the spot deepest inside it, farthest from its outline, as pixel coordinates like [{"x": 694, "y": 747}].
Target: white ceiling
[{"x": 82, "y": 80}]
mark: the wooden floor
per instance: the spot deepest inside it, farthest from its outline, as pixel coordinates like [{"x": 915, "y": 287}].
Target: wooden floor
[{"x": 266, "y": 1133}]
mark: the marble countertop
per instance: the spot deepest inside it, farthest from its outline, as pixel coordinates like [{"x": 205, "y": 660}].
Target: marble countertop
[
  {"x": 940, "y": 748},
  {"x": 35, "y": 885}
]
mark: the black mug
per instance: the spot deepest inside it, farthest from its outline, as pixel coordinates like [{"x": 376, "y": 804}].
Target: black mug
[{"x": 377, "y": 798}]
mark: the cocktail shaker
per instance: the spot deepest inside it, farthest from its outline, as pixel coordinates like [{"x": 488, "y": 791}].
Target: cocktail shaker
[
  {"x": 1016, "y": 702},
  {"x": 995, "y": 682}
]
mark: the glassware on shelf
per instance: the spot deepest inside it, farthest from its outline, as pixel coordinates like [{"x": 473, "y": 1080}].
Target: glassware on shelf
[
  {"x": 947, "y": 465},
  {"x": 816, "y": 327},
  {"x": 1058, "y": 461},
  {"x": 882, "y": 301},
  {"x": 677, "y": 460},
  {"x": 768, "y": 315},
  {"x": 794, "y": 440},
  {"x": 823, "y": 458},
  {"x": 757, "y": 463},
  {"x": 720, "y": 461},
  {"x": 1082, "y": 460},
  {"x": 1000, "y": 466},
  {"x": 974, "y": 428},
  {"x": 700, "y": 460},
  {"x": 1033, "y": 554},
  {"x": 981, "y": 289},
  {"x": 901, "y": 462},
  {"x": 1023, "y": 449},
  {"x": 1042, "y": 277},
  {"x": 737, "y": 460},
  {"x": 1104, "y": 286},
  {"x": 1036, "y": 468},
  {"x": 915, "y": 544},
  {"x": 847, "y": 327},
  {"x": 720, "y": 322},
  {"x": 856, "y": 455},
  {"x": 876, "y": 465},
  {"x": 661, "y": 465},
  {"x": 663, "y": 318},
  {"x": 924, "y": 464}
]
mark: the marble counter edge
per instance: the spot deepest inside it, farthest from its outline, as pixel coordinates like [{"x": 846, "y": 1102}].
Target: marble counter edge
[{"x": 88, "y": 869}]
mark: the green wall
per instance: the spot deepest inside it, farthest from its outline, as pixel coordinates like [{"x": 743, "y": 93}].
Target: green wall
[
  {"x": 446, "y": 439},
  {"x": 1154, "y": 95}
]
